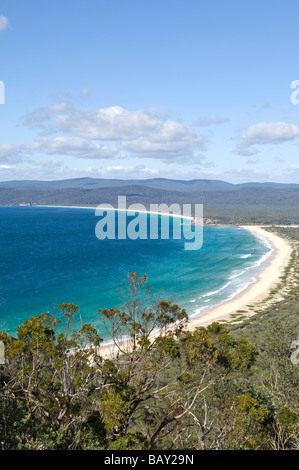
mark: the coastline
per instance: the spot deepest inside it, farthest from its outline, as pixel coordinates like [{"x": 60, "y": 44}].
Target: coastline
[
  {"x": 119, "y": 210},
  {"x": 253, "y": 294},
  {"x": 257, "y": 292}
]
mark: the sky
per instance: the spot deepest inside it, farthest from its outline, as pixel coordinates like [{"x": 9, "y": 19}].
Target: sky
[{"x": 131, "y": 89}]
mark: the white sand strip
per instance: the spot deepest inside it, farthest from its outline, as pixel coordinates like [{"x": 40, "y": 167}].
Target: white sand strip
[{"x": 257, "y": 292}]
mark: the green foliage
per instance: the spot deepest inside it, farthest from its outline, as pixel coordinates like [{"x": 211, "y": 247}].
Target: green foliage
[
  {"x": 163, "y": 387},
  {"x": 287, "y": 418},
  {"x": 240, "y": 204}
]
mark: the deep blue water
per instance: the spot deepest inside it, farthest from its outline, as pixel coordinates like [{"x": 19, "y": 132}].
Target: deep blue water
[{"x": 51, "y": 255}]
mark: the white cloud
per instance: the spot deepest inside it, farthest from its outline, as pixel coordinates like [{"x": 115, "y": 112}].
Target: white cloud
[
  {"x": 170, "y": 144},
  {"x": 265, "y": 133},
  {"x": 113, "y": 123},
  {"x": 137, "y": 170},
  {"x": 4, "y": 23},
  {"x": 144, "y": 134},
  {"x": 9, "y": 154},
  {"x": 77, "y": 147},
  {"x": 293, "y": 168}
]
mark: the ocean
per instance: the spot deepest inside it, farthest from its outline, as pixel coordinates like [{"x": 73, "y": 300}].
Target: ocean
[{"x": 52, "y": 255}]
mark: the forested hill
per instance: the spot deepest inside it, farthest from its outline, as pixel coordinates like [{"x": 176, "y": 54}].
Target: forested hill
[
  {"x": 252, "y": 202},
  {"x": 157, "y": 183},
  {"x": 147, "y": 195}
]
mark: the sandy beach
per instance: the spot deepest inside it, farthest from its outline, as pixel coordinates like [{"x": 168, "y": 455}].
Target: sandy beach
[
  {"x": 257, "y": 292},
  {"x": 254, "y": 294},
  {"x": 268, "y": 278}
]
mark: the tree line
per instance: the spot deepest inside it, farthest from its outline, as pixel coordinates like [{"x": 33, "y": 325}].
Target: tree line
[{"x": 157, "y": 386}]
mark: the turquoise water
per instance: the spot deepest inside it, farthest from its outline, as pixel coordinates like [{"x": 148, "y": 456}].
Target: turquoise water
[{"x": 51, "y": 255}]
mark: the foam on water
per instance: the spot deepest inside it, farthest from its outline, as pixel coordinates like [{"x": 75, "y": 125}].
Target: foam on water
[{"x": 51, "y": 255}]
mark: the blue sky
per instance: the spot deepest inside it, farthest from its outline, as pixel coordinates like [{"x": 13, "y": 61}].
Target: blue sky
[{"x": 134, "y": 89}]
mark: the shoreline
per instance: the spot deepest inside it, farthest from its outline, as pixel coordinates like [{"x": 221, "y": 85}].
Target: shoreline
[
  {"x": 254, "y": 292},
  {"x": 252, "y": 295},
  {"x": 257, "y": 292},
  {"x": 116, "y": 209}
]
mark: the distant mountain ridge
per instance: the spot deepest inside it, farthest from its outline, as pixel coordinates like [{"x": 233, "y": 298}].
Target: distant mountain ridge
[
  {"x": 229, "y": 203},
  {"x": 196, "y": 185}
]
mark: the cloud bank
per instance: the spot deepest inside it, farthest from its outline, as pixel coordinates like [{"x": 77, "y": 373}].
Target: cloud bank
[
  {"x": 140, "y": 134},
  {"x": 265, "y": 133}
]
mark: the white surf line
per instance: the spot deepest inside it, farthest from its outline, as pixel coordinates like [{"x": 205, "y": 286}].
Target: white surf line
[
  {"x": 245, "y": 288},
  {"x": 120, "y": 210},
  {"x": 264, "y": 240}
]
